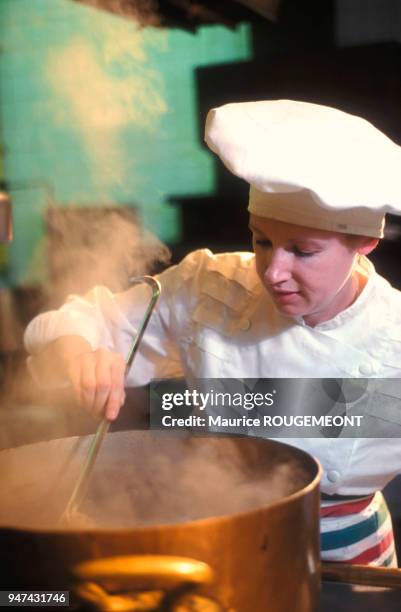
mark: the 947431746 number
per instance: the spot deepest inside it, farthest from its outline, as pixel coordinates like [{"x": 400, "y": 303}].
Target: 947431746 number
[{"x": 34, "y": 598}]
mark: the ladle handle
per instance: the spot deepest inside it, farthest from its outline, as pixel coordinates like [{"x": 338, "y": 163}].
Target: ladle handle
[
  {"x": 156, "y": 290},
  {"x": 103, "y": 427},
  {"x": 362, "y": 574}
]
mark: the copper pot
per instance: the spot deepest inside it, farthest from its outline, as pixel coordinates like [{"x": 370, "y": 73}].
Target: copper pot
[{"x": 250, "y": 555}]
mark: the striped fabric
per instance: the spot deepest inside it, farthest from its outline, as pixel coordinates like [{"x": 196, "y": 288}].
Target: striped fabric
[{"x": 358, "y": 531}]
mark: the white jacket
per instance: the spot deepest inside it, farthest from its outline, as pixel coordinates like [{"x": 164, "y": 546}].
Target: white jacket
[{"x": 215, "y": 320}]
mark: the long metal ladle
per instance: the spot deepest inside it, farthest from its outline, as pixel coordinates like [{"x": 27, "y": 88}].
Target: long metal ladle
[{"x": 103, "y": 427}]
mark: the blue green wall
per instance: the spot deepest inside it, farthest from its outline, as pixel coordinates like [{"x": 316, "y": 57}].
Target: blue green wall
[{"x": 95, "y": 110}]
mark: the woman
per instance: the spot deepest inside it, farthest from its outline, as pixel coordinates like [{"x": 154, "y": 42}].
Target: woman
[{"x": 307, "y": 303}]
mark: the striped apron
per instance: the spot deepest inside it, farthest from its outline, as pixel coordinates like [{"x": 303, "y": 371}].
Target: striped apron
[{"x": 357, "y": 531}]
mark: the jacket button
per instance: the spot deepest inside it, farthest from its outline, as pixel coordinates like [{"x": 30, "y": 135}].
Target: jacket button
[
  {"x": 333, "y": 475},
  {"x": 245, "y": 324},
  {"x": 366, "y": 369}
]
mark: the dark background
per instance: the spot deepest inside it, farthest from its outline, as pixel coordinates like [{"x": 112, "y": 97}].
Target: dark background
[{"x": 339, "y": 53}]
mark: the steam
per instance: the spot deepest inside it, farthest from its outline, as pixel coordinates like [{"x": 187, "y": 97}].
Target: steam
[
  {"x": 98, "y": 247},
  {"x": 108, "y": 87},
  {"x": 101, "y": 85},
  {"x": 145, "y": 479},
  {"x": 103, "y": 103}
]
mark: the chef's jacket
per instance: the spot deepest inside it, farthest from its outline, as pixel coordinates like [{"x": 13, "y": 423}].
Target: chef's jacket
[{"x": 215, "y": 320}]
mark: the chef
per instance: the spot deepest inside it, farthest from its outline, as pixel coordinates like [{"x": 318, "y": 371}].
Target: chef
[{"x": 306, "y": 304}]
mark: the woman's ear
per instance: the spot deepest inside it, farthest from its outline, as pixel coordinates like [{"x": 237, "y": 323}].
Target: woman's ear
[{"x": 366, "y": 244}]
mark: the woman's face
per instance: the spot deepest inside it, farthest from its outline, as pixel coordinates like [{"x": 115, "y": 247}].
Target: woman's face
[{"x": 308, "y": 272}]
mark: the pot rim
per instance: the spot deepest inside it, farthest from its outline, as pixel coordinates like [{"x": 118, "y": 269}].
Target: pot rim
[{"x": 221, "y": 518}]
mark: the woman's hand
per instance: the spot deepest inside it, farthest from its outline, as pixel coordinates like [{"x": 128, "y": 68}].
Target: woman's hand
[
  {"x": 98, "y": 381},
  {"x": 97, "y": 377}
]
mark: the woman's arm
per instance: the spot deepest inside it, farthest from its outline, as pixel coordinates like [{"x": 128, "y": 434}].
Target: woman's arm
[{"x": 85, "y": 342}]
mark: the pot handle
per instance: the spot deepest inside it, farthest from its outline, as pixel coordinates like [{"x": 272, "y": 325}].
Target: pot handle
[
  {"x": 135, "y": 570},
  {"x": 362, "y": 574},
  {"x": 160, "y": 579}
]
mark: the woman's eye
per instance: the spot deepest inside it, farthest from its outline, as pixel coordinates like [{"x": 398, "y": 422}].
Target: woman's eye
[{"x": 300, "y": 253}]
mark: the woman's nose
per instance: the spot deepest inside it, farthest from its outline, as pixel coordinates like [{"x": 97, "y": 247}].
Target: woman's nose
[{"x": 277, "y": 268}]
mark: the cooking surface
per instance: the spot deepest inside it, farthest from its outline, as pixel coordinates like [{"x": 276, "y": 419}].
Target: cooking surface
[{"x": 351, "y": 598}]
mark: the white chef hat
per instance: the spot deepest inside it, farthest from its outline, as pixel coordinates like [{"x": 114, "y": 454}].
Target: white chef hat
[{"x": 309, "y": 164}]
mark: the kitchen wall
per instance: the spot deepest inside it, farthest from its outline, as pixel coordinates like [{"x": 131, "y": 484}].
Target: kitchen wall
[{"x": 94, "y": 110}]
